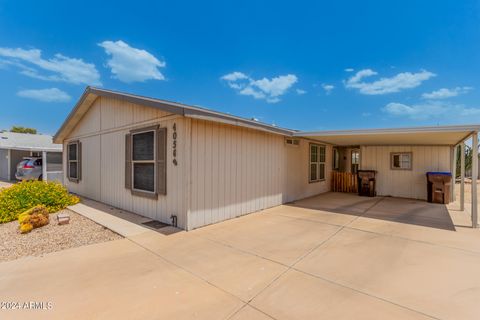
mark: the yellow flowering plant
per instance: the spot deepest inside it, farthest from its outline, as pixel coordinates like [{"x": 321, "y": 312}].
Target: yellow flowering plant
[{"x": 27, "y": 194}]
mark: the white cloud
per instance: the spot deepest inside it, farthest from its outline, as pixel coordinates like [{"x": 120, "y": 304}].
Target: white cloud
[
  {"x": 130, "y": 64},
  {"x": 234, "y": 76},
  {"x": 300, "y": 91},
  {"x": 58, "y": 68},
  {"x": 349, "y": 69},
  {"x": 401, "y": 81},
  {"x": 328, "y": 88},
  {"x": 429, "y": 110},
  {"x": 445, "y": 93},
  {"x": 45, "y": 95},
  {"x": 268, "y": 89}
]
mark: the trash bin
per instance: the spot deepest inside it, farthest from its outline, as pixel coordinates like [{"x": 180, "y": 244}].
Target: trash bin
[
  {"x": 438, "y": 187},
  {"x": 366, "y": 183}
]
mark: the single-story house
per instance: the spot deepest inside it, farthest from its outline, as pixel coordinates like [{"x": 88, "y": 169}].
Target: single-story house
[
  {"x": 15, "y": 146},
  {"x": 163, "y": 159}
]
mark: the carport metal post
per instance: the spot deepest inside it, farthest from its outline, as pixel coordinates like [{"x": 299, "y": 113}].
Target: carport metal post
[
  {"x": 454, "y": 173},
  {"x": 474, "y": 179},
  {"x": 462, "y": 176},
  {"x": 44, "y": 165}
]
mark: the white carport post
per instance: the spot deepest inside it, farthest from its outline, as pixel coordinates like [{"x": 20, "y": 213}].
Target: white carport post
[
  {"x": 474, "y": 179},
  {"x": 454, "y": 173},
  {"x": 44, "y": 165},
  {"x": 462, "y": 176}
]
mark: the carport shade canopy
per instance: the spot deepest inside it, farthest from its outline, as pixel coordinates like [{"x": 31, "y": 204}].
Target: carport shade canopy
[
  {"x": 440, "y": 135},
  {"x": 453, "y": 136}
]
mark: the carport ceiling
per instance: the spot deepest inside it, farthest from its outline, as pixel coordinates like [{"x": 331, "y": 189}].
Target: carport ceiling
[{"x": 440, "y": 135}]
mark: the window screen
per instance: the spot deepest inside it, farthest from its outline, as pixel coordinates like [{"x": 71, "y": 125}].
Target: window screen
[
  {"x": 144, "y": 176},
  {"x": 73, "y": 160},
  {"x": 143, "y": 161},
  {"x": 143, "y": 146},
  {"x": 72, "y": 151}
]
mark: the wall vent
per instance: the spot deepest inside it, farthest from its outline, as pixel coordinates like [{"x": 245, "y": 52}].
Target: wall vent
[{"x": 292, "y": 142}]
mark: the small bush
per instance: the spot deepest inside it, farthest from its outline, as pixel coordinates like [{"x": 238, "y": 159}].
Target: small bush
[
  {"x": 26, "y": 228},
  {"x": 28, "y": 194},
  {"x": 35, "y": 217}
]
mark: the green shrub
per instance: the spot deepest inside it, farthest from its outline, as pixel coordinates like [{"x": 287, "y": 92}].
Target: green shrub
[{"x": 27, "y": 194}]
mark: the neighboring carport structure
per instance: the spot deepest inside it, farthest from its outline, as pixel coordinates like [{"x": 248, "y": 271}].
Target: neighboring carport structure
[
  {"x": 430, "y": 149},
  {"x": 15, "y": 146}
]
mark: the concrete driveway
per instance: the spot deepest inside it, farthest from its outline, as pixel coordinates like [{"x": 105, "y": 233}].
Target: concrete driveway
[{"x": 334, "y": 256}]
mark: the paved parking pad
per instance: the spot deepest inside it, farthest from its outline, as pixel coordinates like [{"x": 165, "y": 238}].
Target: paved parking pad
[{"x": 334, "y": 256}]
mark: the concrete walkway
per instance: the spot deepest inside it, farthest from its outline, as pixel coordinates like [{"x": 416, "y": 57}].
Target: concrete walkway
[
  {"x": 5, "y": 184},
  {"x": 335, "y": 256}
]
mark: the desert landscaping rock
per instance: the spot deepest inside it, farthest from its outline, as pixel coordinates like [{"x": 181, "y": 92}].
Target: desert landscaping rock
[{"x": 52, "y": 237}]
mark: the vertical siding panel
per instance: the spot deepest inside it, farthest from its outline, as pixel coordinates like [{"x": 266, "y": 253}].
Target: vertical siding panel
[
  {"x": 226, "y": 173},
  {"x": 251, "y": 171},
  {"x": 208, "y": 173},
  {"x": 202, "y": 173},
  {"x": 236, "y": 169},
  {"x": 262, "y": 169},
  {"x": 215, "y": 188},
  {"x": 195, "y": 202},
  {"x": 243, "y": 169},
  {"x": 223, "y": 159}
]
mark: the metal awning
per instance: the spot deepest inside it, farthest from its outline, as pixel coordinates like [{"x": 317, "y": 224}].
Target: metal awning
[{"x": 439, "y": 135}]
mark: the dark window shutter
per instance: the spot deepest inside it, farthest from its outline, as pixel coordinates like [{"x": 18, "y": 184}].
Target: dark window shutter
[
  {"x": 128, "y": 161},
  {"x": 68, "y": 162},
  {"x": 79, "y": 160},
  {"x": 162, "y": 161}
]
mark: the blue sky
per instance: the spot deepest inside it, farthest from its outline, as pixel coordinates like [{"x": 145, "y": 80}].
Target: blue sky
[{"x": 310, "y": 65}]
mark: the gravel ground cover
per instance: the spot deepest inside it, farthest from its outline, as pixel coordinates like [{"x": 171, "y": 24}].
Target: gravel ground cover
[{"x": 52, "y": 237}]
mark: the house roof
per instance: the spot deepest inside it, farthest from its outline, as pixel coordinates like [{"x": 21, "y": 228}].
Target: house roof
[
  {"x": 91, "y": 93},
  {"x": 28, "y": 142},
  {"x": 439, "y": 135}
]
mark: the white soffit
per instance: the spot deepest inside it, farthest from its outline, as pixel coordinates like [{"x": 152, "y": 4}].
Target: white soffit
[{"x": 441, "y": 135}]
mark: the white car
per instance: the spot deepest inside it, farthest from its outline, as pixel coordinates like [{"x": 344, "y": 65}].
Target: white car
[{"x": 29, "y": 169}]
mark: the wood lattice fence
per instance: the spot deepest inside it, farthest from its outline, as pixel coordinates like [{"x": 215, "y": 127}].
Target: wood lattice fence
[{"x": 344, "y": 182}]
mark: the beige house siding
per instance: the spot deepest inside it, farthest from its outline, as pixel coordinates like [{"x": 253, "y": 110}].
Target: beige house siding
[
  {"x": 223, "y": 171},
  {"x": 298, "y": 185},
  {"x": 235, "y": 171},
  {"x": 405, "y": 183},
  {"x": 102, "y": 133}
]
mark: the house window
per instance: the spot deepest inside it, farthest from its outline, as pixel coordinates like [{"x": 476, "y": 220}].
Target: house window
[
  {"x": 317, "y": 162},
  {"x": 73, "y": 161},
  {"x": 401, "y": 161},
  {"x": 143, "y": 161},
  {"x": 355, "y": 160}
]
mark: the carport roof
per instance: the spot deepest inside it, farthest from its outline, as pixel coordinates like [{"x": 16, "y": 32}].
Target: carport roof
[
  {"x": 439, "y": 135},
  {"x": 28, "y": 142}
]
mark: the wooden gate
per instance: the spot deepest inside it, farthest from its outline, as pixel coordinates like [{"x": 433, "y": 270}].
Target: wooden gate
[{"x": 344, "y": 182}]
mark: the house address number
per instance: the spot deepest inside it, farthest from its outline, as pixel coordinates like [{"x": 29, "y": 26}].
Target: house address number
[{"x": 174, "y": 144}]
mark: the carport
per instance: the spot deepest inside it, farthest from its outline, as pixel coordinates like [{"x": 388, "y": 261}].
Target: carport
[
  {"x": 15, "y": 146},
  {"x": 438, "y": 143}
]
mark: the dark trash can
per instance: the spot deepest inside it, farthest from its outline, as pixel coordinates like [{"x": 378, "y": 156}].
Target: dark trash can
[
  {"x": 366, "y": 183},
  {"x": 438, "y": 187}
]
